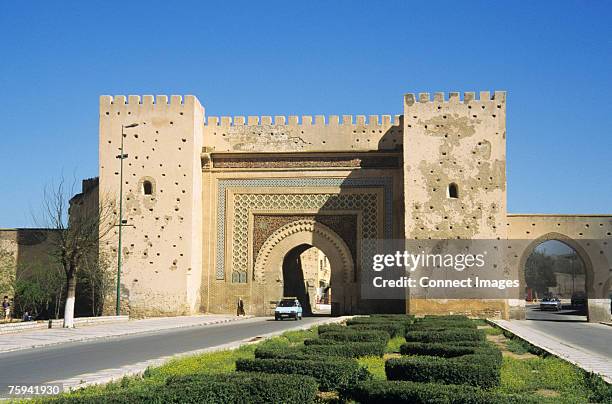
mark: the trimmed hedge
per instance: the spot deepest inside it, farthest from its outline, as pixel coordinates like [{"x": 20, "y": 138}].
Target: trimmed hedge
[
  {"x": 459, "y": 334},
  {"x": 474, "y": 370},
  {"x": 251, "y": 388},
  {"x": 347, "y": 349},
  {"x": 383, "y": 391},
  {"x": 358, "y": 336},
  {"x": 377, "y": 319},
  {"x": 331, "y": 373},
  {"x": 322, "y": 341},
  {"x": 440, "y": 325},
  {"x": 332, "y": 328},
  {"x": 453, "y": 317},
  {"x": 317, "y": 348},
  {"x": 394, "y": 316},
  {"x": 282, "y": 353},
  {"x": 120, "y": 396},
  {"x": 215, "y": 389},
  {"x": 391, "y": 328},
  {"x": 439, "y": 349},
  {"x": 403, "y": 322}
]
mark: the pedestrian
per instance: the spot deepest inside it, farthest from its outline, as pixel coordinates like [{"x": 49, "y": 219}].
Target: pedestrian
[
  {"x": 240, "y": 309},
  {"x": 6, "y": 308}
]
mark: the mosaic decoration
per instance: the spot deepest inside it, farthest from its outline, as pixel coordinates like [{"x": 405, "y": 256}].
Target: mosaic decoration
[
  {"x": 345, "y": 225},
  {"x": 244, "y": 203}
]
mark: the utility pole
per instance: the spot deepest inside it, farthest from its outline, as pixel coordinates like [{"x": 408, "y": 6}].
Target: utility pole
[{"x": 121, "y": 157}]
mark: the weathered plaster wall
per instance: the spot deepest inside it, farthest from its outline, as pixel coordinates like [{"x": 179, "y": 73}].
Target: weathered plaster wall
[
  {"x": 463, "y": 142},
  {"x": 589, "y": 235},
  {"x": 162, "y": 245},
  {"x": 257, "y": 134}
]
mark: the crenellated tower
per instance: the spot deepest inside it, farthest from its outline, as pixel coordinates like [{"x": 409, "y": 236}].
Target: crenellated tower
[
  {"x": 162, "y": 188},
  {"x": 454, "y": 170}
]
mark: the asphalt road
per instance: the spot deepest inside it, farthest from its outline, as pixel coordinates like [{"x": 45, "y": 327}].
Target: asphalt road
[
  {"x": 565, "y": 314},
  {"x": 68, "y": 360},
  {"x": 570, "y": 327}
]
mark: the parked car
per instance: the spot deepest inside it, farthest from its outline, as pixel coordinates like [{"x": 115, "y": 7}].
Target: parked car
[
  {"x": 579, "y": 299},
  {"x": 551, "y": 303},
  {"x": 288, "y": 307}
]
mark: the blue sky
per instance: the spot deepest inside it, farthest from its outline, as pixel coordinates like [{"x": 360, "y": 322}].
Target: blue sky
[{"x": 327, "y": 57}]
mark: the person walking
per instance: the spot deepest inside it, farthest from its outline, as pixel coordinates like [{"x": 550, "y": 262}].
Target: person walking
[
  {"x": 6, "y": 308},
  {"x": 240, "y": 308}
]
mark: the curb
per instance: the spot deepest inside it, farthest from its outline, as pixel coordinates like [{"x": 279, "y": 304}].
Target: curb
[
  {"x": 137, "y": 369},
  {"x": 128, "y": 332}
]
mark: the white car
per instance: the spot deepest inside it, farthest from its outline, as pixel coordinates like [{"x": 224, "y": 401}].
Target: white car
[
  {"x": 288, "y": 307},
  {"x": 551, "y": 303}
]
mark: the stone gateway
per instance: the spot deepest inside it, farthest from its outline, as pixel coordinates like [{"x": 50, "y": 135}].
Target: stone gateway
[{"x": 217, "y": 206}]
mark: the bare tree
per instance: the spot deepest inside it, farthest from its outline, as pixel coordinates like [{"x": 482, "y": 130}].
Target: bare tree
[
  {"x": 97, "y": 274},
  {"x": 80, "y": 223}
]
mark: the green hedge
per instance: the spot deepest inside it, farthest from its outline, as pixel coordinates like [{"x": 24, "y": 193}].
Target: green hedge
[
  {"x": 322, "y": 341},
  {"x": 391, "y": 328},
  {"x": 440, "y": 325},
  {"x": 120, "y": 396},
  {"x": 282, "y": 353},
  {"x": 252, "y": 388},
  {"x": 394, "y": 316},
  {"x": 332, "y": 328},
  {"x": 474, "y": 370},
  {"x": 358, "y": 336},
  {"x": 379, "y": 320},
  {"x": 331, "y": 373},
  {"x": 214, "y": 389},
  {"x": 347, "y": 349},
  {"x": 458, "y": 334},
  {"x": 452, "y": 317},
  {"x": 318, "y": 349},
  {"x": 382, "y": 391},
  {"x": 438, "y": 349}
]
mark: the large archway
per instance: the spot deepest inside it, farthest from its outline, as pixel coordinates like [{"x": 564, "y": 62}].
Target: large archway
[
  {"x": 565, "y": 272},
  {"x": 285, "y": 245},
  {"x": 307, "y": 276},
  {"x": 555, "y": 283}
]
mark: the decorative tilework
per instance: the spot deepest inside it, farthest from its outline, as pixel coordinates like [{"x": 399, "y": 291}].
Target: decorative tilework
[{"x": 295, "y": 202}]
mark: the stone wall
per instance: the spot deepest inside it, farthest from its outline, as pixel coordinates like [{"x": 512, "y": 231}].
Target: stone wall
[
  {"x": 292, "y": 134},
  {"x": 29, "y": 248}
]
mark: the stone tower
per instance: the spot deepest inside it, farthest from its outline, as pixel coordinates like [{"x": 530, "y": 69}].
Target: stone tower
[
  {"x": 162, "y": 194},
  {"x": 454, "y": 170}
]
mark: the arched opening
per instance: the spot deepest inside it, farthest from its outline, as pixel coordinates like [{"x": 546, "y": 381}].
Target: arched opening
[
  {"x": 279, "y": 270},
  {"x": 307, "y": 276},
  {"x": 555, "y": 283},
  {"x": 453, "y": 190},
  {"x": 147, "y": 187}
]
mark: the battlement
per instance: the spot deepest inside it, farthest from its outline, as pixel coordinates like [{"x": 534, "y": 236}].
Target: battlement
[
  {"x": 455, "y": 97},
  {"x": 374, "y": 121},
  {"x": 136, "y": 100},
  {"x": 303, "y": 133}
]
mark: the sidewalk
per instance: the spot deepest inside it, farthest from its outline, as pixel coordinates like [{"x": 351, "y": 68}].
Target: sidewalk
[
  {"x": 572, "y": 342},
  {"x": 45, "y": 337}
]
